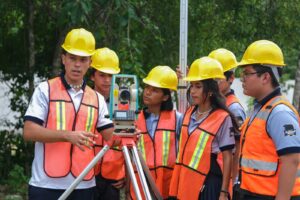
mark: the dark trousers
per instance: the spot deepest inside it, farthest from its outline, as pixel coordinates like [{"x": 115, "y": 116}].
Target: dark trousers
[
  {"x": 213, "y": 182},
  {"x": 37, "y": 193},
  {"x": 105, "y": 190}
]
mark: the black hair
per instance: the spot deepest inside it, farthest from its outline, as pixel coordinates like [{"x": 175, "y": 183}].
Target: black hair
[
  {"x": 88, "y": 76},
  {"x": 91, "y": 72},
  {"x": 216, "y": 99},
  {"x": 260, "y": 69},
  {"x": 167, "y": 105},
  {"x": 228, "y": 74}
]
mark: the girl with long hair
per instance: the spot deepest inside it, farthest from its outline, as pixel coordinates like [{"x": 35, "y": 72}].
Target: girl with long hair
[{"x": 208, "y": 128}]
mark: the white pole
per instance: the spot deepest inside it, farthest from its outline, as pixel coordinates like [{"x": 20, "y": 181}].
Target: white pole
[{"x": 182, "y": 101}]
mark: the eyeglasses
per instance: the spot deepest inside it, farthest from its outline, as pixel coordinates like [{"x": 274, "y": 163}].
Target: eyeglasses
[{"x": 247, "y": 74}]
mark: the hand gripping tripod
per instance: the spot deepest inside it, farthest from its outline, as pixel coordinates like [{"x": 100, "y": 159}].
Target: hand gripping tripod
[{"x": 130, "y": 151}]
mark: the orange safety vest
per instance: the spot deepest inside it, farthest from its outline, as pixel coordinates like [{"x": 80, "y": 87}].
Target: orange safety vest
[
  {"x": 193, "y": 161},
  {"x": 61, "y": 158},
  {"x": 111, "y": 165},
  {"x": 230, "y": 99},
  {"x": 259, "y": 162},
  {"x": 159, "y": 152}
]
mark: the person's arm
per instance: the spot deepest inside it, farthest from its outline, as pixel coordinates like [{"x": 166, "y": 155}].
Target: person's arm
[
  {"x": 107, "y": 133},
  {"x": 35, "y": 132},
  {"x": 287, "y": 174},
  {"x": 283, "y": 127},
  {"x": 227, "y": 160}
]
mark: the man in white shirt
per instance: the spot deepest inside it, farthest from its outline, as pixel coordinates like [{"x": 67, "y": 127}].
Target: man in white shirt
[{"x": 62, "y": 117}]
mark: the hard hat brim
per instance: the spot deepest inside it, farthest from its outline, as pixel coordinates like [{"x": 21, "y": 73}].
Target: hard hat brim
[
  {"x": 77, "y": 52},
  {"x": 231, "y": 68},
  {"x": 154, "y": 84},
  {"x": 202, "y": 79},
  {"x": 107, "y": 70},
  {"x": 245, "y": 63}
]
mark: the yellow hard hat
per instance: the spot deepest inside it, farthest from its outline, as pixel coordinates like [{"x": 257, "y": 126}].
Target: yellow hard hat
[
  {"x": 106, "y": 60},
  {"x": 162, "y": 77},
  {"x": 205, "y": 68},
  {"x": 79, "y": 42},
  {"x": 225, "y": 57},
  {"x": 263, "y": 52}
]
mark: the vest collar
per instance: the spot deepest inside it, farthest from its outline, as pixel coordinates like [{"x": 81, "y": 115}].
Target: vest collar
[
  {"x": 274, "y": 93},
  {"x": 147, "y": 114},
  {"x": 67, "y": 86}
]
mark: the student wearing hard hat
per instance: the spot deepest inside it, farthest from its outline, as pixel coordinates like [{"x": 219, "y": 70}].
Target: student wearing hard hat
[
  {"x": 110, "y": 172},
  {"x": 270, "y": 137},
  {"x": 160, "y": 126},
  {"x": 207, "y": 129},
  {"x": 105, "y": 63},
  {"x": 229, "y": 63},
  {"x": 62, "y": 118}
]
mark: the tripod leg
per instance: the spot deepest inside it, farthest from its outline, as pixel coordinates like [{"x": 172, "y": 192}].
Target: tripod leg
[
  {"x": 83, "y": 173},
  {"x": 141, "y": 173},
  {"x": 149, "y": 177},
  {"x": 131, "y": 173}
]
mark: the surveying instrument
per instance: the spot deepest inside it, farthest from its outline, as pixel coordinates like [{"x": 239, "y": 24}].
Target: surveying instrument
[{"x": 123, "y": 109}]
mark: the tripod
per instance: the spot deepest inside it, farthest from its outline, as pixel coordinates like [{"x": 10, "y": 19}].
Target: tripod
[{"x": 129, "y": 150}]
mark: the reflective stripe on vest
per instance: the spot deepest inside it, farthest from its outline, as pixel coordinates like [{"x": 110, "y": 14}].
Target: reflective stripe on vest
[
  {"x": 90, "y": 120},
  {"x": 141, "y": 147},
  {"x": 258, "y": 165},
  {"x": 166, "y": 147},
  {"x": 193, "y": 160},
  {"x": 179, "y": 148},
  {"x": 201, "y": 144},
  {"x": 259, "y": 161},
  {"x": 62, "y": 116}
]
